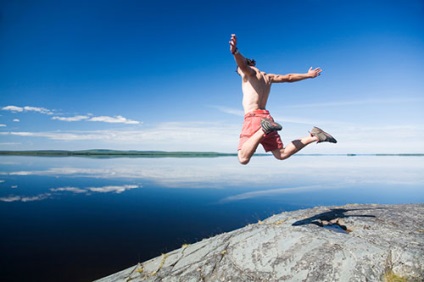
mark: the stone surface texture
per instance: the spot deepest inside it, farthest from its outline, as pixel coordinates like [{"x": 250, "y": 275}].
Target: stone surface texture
[{"x": 348, "y": 243}]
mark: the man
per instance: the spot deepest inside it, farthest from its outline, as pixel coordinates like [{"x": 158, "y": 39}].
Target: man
[{"x": 259, "y": 126}]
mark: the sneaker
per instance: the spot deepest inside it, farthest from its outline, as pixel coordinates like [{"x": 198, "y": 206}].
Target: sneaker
[
  {"x": 269, "y": 126},
  {"x": 322, "y": 135}
]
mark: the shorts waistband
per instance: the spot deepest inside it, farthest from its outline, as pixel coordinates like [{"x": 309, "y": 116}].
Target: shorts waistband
[{"x": 256, "y": 112}]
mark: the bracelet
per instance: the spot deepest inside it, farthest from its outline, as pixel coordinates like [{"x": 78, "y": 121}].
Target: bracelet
[{"x": 235, "y": 51}]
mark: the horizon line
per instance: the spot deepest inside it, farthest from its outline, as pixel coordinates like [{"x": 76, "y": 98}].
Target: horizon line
[{"x": 158, "y": 153}]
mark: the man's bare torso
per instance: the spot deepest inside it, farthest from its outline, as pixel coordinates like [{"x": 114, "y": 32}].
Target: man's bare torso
[{"x": 256, "y": 91}]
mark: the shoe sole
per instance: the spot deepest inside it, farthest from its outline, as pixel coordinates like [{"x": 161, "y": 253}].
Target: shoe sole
[
  {"x": 269, "y": 126},
  {"x": 322, "y": 135}
]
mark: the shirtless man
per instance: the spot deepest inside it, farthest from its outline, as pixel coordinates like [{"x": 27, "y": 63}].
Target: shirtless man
[{"x": 259, "y": 126}]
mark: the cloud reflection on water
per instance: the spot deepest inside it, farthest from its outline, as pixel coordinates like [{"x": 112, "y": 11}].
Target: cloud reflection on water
[
  {"x": 24, "y": 199},
  {"x": 278, "y": 191},
  {"x": 55, "y": 191},
  {"x": 263, "y": 176}
]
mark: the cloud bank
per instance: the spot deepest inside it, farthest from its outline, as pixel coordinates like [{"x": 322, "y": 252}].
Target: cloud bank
[
  {"x": 16, "y": 109},
  {"x": 106, "y": 119},
  {"x": 103, "y": 118}
]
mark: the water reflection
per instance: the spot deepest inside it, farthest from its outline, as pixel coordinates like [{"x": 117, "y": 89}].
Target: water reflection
[
  {"x": 76, "y": 190},
  {"x": 263, "y": 177},
  {"x": 79, "y": 219}
]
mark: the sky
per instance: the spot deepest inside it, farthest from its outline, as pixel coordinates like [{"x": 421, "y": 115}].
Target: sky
[{"x": 158, "y": 75}]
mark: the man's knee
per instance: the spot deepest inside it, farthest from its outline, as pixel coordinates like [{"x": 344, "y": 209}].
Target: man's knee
[
  {"x": 280, "y": 154},
  {"x": 243, "y": 160},
  {"x": 281, "y": 157}
]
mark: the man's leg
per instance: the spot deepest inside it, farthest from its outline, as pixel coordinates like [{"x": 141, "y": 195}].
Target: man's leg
[
  {"x": 316, "y": 135},
  {"x": 294, "y": 147},
  {"x": 249, "y": 147}
]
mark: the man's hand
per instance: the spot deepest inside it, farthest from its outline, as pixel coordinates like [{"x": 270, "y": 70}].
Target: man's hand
[
  {"x": 233, "y": 44},
  {"x": 314, "y": 72}
]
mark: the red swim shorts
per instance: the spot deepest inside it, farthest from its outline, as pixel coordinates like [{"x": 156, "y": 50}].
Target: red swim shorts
[{"x": 252, "y": 123}]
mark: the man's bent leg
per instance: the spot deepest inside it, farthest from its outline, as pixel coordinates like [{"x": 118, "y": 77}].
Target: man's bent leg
[
  {"x": 316, "y": 135},
  {"x": 249, "y": 147},
  {"x": 294, "y": 147}
]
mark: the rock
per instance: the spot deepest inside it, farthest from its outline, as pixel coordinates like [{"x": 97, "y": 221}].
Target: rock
[{"x": 349, "y": 243}]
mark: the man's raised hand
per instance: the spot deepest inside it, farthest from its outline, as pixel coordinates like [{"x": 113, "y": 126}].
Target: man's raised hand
[
  {"x": 314, "y": 72},
  {"x": 233, "y": 44}
]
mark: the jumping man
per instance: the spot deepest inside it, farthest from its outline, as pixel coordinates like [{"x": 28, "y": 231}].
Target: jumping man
[{"x": 259, "y": 126}]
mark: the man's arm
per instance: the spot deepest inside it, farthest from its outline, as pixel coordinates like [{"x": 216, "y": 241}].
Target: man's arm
[
  {"x": 293, "y": 77},
  {"x": 240, "y": 60}
]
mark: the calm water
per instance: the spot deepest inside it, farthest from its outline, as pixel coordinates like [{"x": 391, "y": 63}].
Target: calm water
[{"x": 79, "y": 219}]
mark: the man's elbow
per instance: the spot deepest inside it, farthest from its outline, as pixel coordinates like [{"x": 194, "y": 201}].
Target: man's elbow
[
  {"x": 290, "y": 78},
  {"x": 295, "y": 77}
]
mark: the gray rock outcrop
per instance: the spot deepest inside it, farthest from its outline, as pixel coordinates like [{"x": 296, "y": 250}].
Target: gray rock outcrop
[{"x": 349, "y": 243}]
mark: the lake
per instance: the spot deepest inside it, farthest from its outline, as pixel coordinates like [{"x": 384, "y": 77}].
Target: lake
[{"x": 79, "y": 219}]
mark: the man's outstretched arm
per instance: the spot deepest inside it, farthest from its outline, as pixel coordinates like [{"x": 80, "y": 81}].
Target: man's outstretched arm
[
  {"x": 240, "y": 59},
  {"x": 293, "y": 77}
]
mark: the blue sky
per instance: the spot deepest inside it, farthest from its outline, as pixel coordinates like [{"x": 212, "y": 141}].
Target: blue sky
[{"x": 158, "y": 75}]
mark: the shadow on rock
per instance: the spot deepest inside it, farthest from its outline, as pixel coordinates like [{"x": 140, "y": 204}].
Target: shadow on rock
[{"x": 332, "y": 220}]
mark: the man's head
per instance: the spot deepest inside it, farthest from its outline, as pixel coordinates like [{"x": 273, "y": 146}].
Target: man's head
[{"x": 249, "y": 62}]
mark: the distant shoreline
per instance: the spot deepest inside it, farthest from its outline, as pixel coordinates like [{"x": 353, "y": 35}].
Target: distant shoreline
[
  {"x": 115, "y": 153},
  {"x": 163, "y": 154}
]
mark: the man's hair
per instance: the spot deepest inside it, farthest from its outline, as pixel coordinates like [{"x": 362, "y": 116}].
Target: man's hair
[{"x": 250, "y": 62}]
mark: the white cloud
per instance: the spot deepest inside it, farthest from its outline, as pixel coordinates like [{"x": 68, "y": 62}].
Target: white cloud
[
  {"x": 201, "y": 136},
  {"x": 223, "y": 137},
  {"x": 13, "y": 109},
  {"x": 116, "y": 119},
  {"x": 19, "y": 133},
  {"x": 71, "y": 119},
  {"x": 38, "y": 110},
  {"x": 16, "y": 109},
  {"x": 65, "y": 136},
  {"x": 16, "y": 120},
  {"x": 21, "y": 173},
  {"x": 107, "y": 119},
  {"x": 3, "y": 125}
]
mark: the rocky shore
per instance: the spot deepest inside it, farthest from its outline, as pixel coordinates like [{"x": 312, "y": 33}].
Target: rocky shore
[{"x": 347, "y": 243}]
